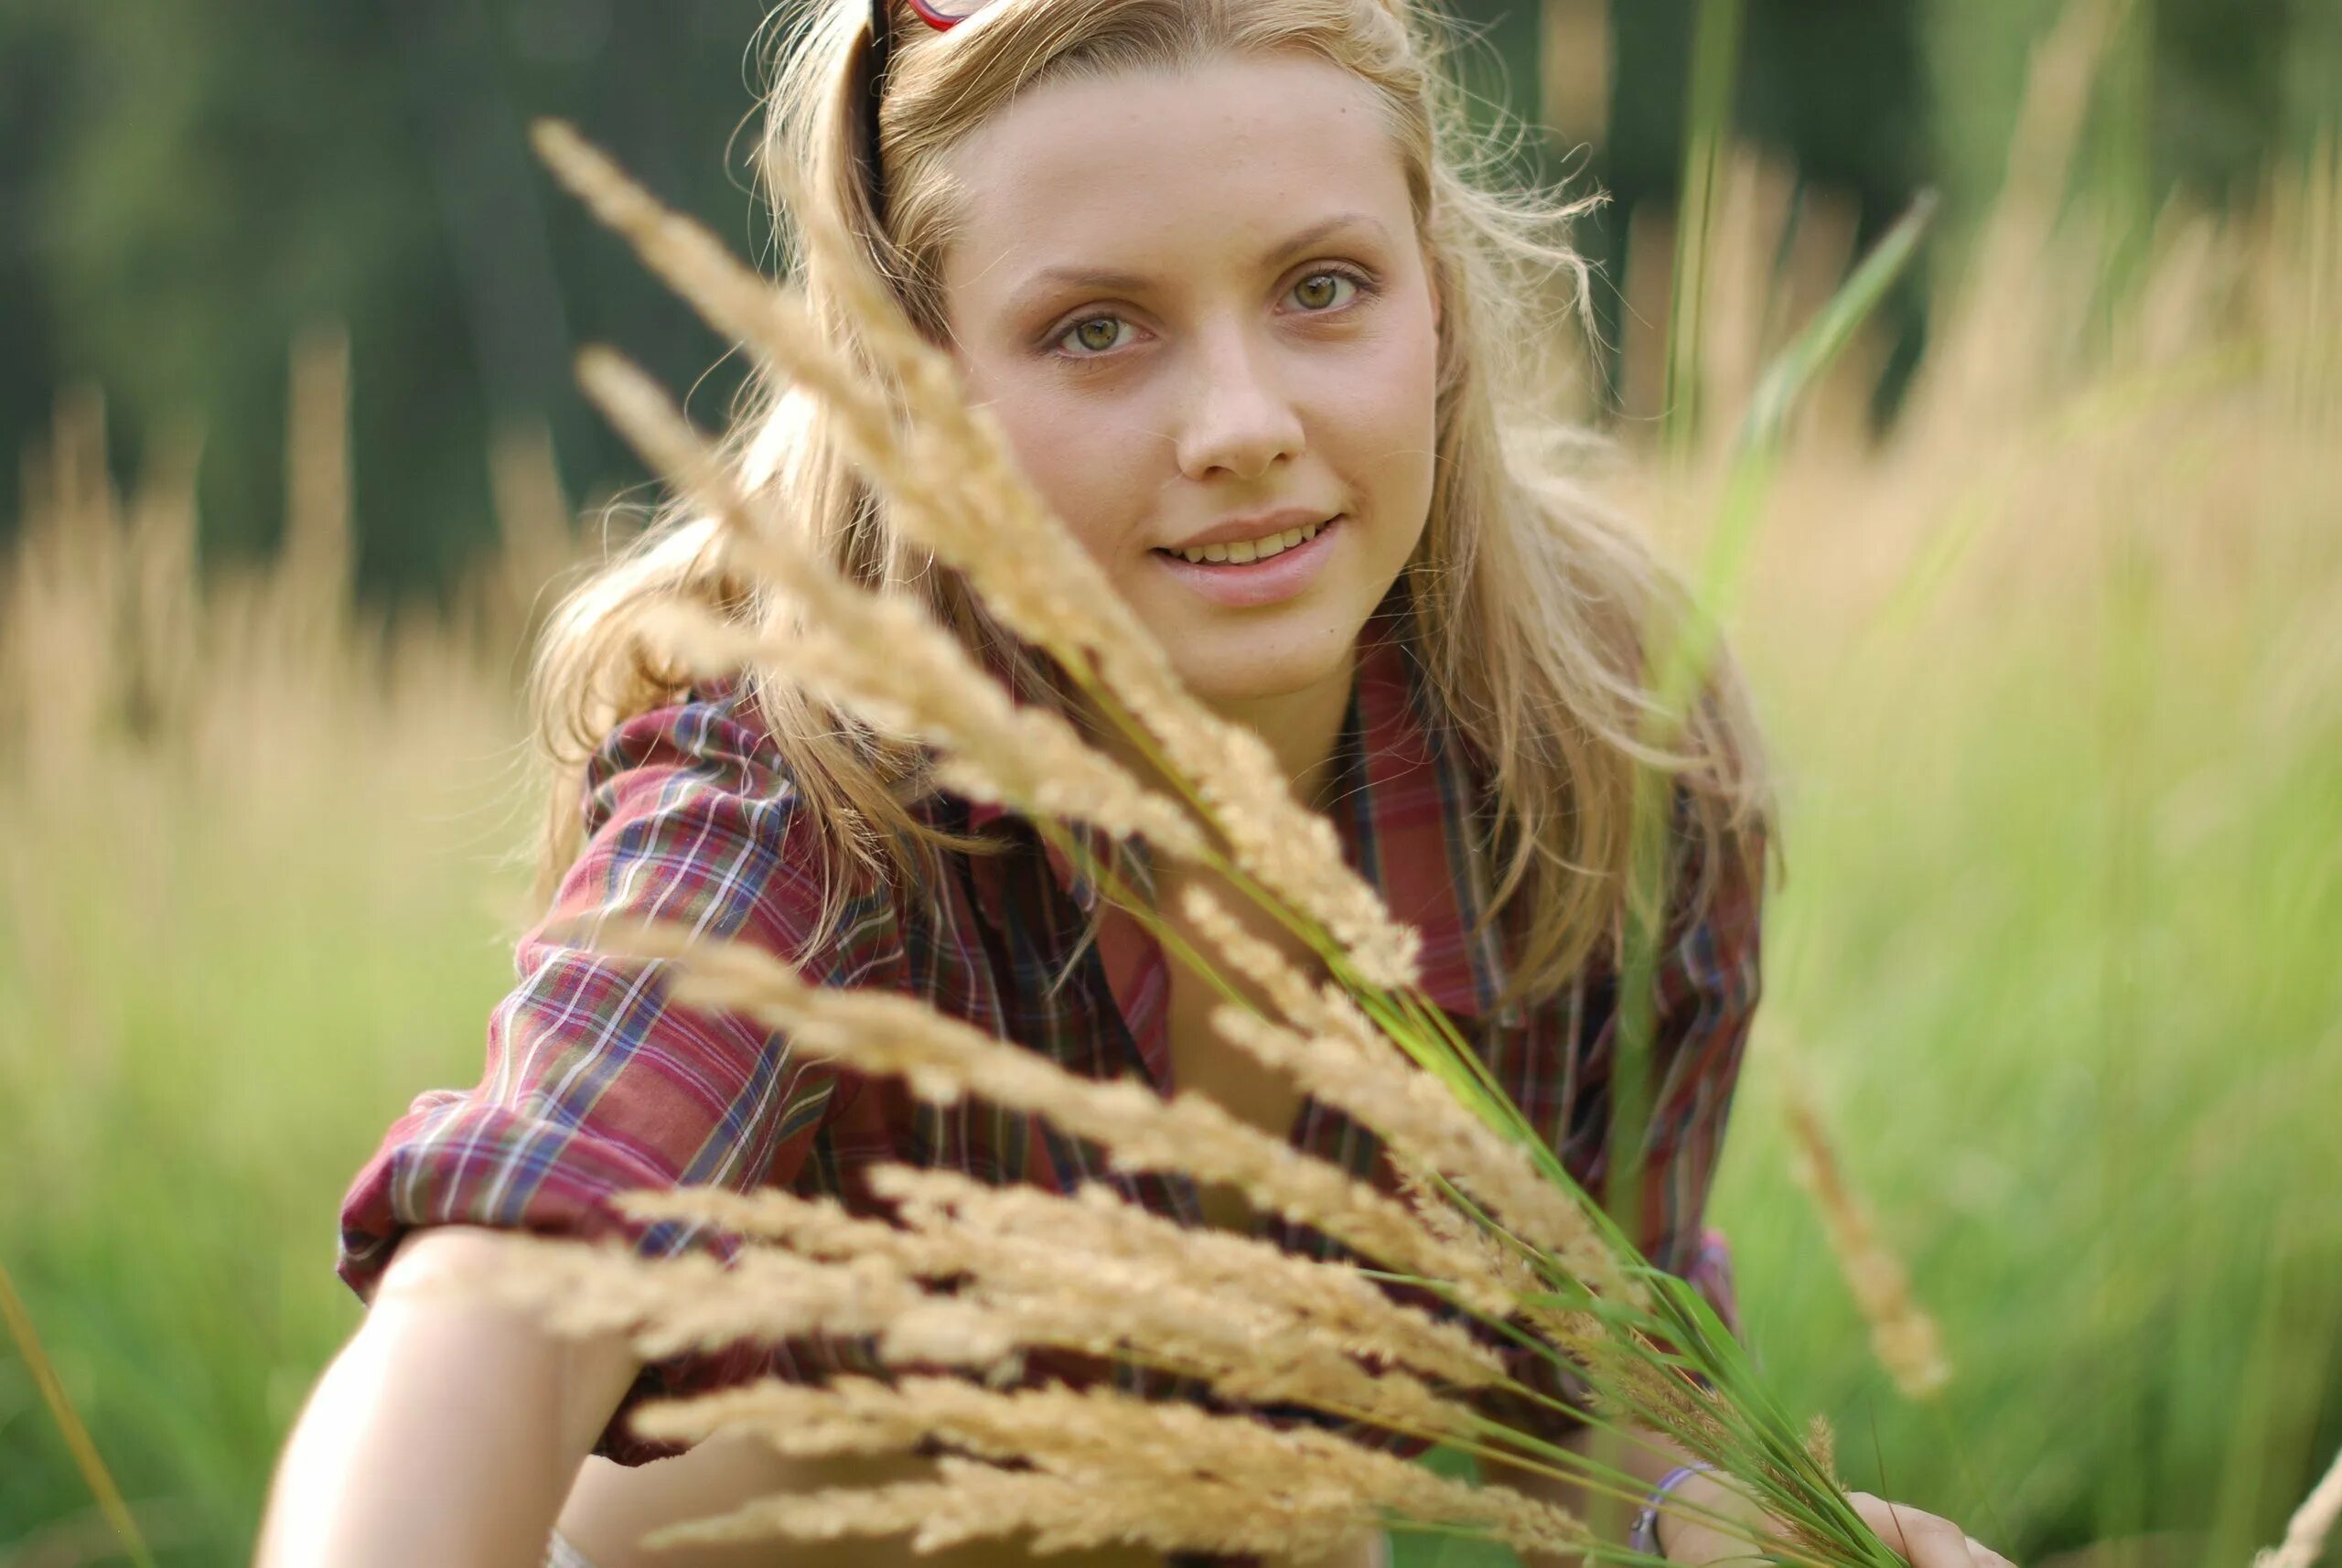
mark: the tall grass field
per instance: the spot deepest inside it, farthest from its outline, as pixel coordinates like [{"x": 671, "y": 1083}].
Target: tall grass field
[{"x": 2053, "y": 674}]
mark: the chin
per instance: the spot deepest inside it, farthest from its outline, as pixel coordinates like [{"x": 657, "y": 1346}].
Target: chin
[{"x": 1252, "y": 672}]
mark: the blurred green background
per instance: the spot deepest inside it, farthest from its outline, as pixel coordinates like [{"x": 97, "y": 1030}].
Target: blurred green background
[{"x": 2042, "y": 620}]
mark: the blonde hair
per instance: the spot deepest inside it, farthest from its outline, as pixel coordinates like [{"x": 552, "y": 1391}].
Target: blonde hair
[{"x": 1535, "y": 606}]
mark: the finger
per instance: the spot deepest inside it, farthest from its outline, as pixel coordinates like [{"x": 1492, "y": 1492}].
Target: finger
[
  {"x": 1986, "y": 1555},
  {"x": 1885, "y": 1520},
  {"x": 1922, "y": 1538}
]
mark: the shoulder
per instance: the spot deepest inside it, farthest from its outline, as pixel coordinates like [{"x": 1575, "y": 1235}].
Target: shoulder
[
  {"x": 693, "y": 813},
  {"x": 1708, "y": 965},
  {"x": 712, "y": 741}
]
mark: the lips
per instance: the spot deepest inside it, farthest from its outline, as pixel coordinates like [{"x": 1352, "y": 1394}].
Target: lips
[
  {"x": 1245, "y": 549},
  {"x": 1260, "y": 525},
  {"x": 1265, "y": 581}
]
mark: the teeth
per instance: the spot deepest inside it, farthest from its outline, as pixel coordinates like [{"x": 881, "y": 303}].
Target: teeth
[{"x": 1253, "y": 548}]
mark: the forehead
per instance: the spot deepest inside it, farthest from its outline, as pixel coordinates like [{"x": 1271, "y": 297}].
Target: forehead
[{"x": 1155, "y": 168}]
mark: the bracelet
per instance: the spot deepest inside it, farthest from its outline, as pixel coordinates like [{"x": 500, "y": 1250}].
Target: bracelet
[{"x": 1644, "y": 1537}]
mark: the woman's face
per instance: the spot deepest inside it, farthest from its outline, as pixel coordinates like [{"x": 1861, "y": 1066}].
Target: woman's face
[{"x": 1197, "y": 305}]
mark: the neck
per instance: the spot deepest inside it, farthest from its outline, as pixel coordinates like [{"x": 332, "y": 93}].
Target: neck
[{"x": 1299, "y": 727}]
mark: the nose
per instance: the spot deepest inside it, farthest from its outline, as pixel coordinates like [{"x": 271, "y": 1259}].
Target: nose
[{"x": 1239, "y": 420}]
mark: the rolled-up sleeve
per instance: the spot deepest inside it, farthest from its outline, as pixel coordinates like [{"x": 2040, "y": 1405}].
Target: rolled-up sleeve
[
  {"x": 1709, "y": 982},
  {"x": 593, "y": 1082},
  {"x": 1706, "y": 988}
]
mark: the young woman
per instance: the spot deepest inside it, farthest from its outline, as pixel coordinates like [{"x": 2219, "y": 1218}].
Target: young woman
[{"x": 1218, "y": 268}]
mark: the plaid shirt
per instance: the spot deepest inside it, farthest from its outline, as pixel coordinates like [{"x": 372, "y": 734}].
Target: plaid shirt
[{"x": 593, "y": 1085}]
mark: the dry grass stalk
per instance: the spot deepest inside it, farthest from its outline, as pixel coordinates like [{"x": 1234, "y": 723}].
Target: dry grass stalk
[
  {"x": 1970, "y": 382},
  {"x": 942, "y": 1059},
  {"x": 925, "y": 686},
  {"x": 973, "y": 1501},
  {"x": 1352, "y": 1066},
  {"x": 101, "y": 624},
  {"x": 536, "y": 529},
  {"x": 1629, "y": 1388},
  {"x": 1145, "y": 1302},
  {"x": 2306, "y": 1532},
  {"x": 1006, "y": 1295},
  {"x": 1337, "y": 1055},
  {"x": 1168, "y": 1474},
  {"x": 1334, "y": 1297},
  {"x": 813, "y": 1227},
  {"x": 318, "y": 543},
  {"x": 1902, "y": 1334},
  {"x": 1821, "y": 1441},
  {"x": 1332, "y": 1301},
  {"x": 1426, "y": 1126},
  {"x": 62, "y": 607},
  {"x": 955, "y": 490},
  {"x": 698, "y": 1302}
]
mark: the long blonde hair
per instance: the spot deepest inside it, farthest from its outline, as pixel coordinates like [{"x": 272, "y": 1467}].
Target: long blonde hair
[{"x": 1535, "y": 606}]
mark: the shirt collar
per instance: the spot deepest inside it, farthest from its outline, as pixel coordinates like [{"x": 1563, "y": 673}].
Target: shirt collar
[
  {"x": 1402, "y": 804},
  {"x": 1070, "y": 880}
]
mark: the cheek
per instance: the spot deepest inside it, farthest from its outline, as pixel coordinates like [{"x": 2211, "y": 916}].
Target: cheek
[
  {"x": 1080, "y": 463},
  {"x": 1384, "y": 415}
]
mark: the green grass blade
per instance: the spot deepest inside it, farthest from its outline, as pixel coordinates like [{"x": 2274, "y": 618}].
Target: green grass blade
[{"x": 19, "y": 1324}]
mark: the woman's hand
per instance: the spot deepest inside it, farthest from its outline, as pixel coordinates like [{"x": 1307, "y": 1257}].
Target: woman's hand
[{"x": 1922, "y": 1538}]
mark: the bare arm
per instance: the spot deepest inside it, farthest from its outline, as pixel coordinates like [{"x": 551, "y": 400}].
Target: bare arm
[
  {"x": 1646, "y": 1457},
  {"x": 447, "y": 1431}
]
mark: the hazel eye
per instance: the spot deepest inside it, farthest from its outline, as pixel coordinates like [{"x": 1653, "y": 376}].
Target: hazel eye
[
  {"x": 1326, "y": 285},
  {"x": 1088, "y": 333}
]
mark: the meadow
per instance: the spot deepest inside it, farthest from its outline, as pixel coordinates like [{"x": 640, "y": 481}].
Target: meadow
[{"x": 2054, "y": 678}]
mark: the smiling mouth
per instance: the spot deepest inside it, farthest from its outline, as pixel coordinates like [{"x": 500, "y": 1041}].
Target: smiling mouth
[{"x": 1250, "y": 552}]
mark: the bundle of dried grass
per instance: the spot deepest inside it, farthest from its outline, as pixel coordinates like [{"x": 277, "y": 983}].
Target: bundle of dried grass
[{"x": 967, "y": 1278}]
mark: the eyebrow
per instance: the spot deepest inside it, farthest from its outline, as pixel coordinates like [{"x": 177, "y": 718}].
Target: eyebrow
[{"x": 1131, "y": 282}]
